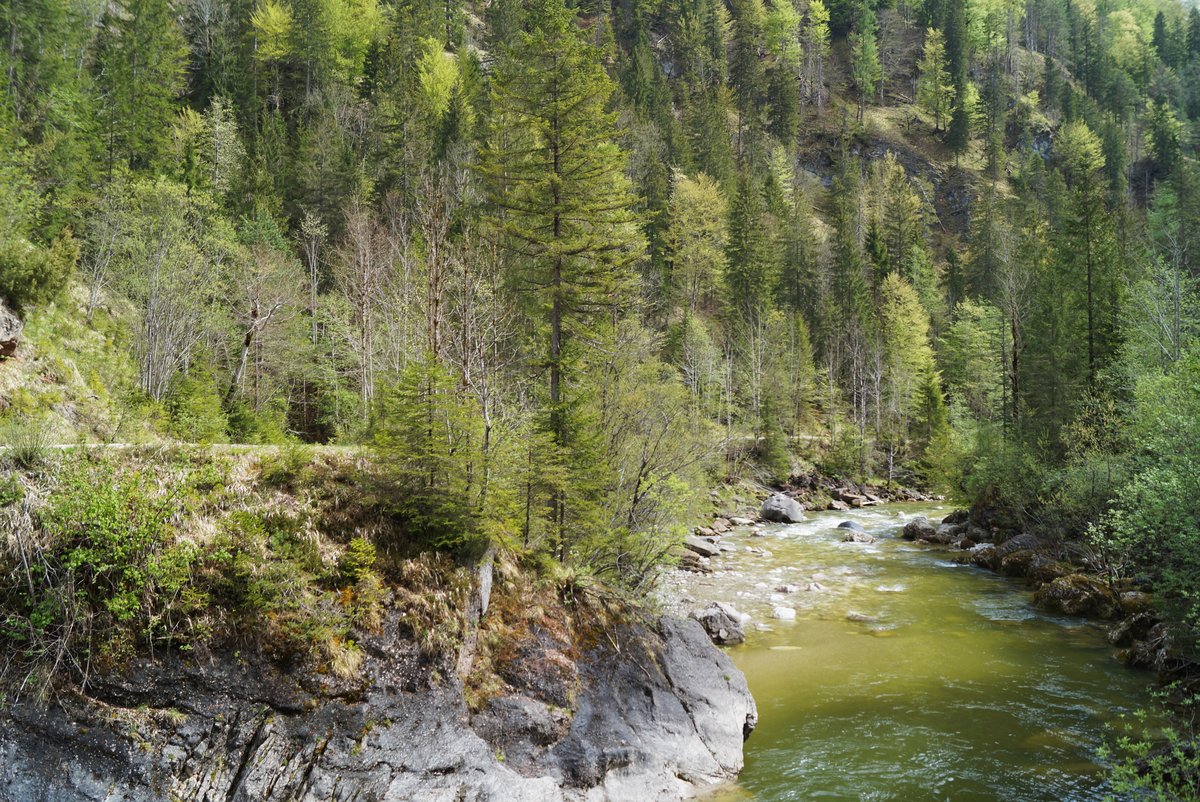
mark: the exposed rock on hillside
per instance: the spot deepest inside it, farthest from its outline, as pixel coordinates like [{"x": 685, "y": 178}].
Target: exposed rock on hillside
[
  {"x": 10, "y": 331},
  {"x": 655, "y": 720}
]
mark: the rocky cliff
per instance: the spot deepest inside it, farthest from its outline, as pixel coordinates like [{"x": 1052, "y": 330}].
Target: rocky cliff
[{"x": 659, "y": 713}]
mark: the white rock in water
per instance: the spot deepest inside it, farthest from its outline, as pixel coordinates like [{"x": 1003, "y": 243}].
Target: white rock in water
[
  {"x": 785, "y": 613},
  {"x": 814, "y": 586},
  {"x": 787, "y": 589}
]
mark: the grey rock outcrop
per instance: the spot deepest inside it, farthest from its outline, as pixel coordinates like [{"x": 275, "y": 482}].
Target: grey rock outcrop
[
  {"x": 722, "y": 622},
  {"x": 782, "y": 509},
  {"x": 658, "y": 721},
  {"x": 10, "y": 331}
]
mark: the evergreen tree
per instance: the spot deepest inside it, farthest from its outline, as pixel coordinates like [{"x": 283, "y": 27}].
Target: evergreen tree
[
  {"x": 935, "y": 89},
  {"x": 816, "y": 52},
  {"x": 556, "y": 178},
  {"x": 140, "y": 62},
  {"x": 865, "y": 68},
  {"x": 748, "y": 252},
  {"x": 957, "y": 62}
]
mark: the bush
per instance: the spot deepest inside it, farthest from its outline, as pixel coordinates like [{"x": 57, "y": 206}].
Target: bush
[
  {"x": 27, "y": 440},
  {"x": 30, "y": 275},
  {"x": 194, "y": 406},
  {"x": 11, "y": 491},
  {"x": 1148, "y": 761},
  {"x": 112, "y": 548}
]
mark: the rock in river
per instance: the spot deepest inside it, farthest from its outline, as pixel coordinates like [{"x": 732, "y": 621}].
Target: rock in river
[
  {"x": 854, "y": 526},
  {"x": 782, "y": 509},
  {"x": 722, "y": 622},
  {"x": 1077, "y": 594},
  {"x": 701, "y": 546},
  {"x": 919, "y": 528}
]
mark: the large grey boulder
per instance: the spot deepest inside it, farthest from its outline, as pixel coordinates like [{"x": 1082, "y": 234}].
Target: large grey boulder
[
  {"x": 10, "y": 330},
  {"x": 919, "y": 528},
  {"x": 722, "y": 622},
  {"x": 782, "y": 509},
  {"x": 701, "y": 546}
]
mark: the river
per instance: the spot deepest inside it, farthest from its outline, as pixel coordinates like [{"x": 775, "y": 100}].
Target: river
[{"x": 908, "y": 676}]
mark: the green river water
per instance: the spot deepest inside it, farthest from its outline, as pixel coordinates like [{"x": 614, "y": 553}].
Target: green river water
[{"x": 956, "y": 690}]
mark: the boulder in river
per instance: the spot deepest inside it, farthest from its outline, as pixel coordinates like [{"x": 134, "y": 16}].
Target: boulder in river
[
  {"x": 782, "y": 509},
  {"x": 853, "y": 536},
  {"x": 1134, "y": 628},
  {"x": 722, "y": 622},
  {"x": 741, "y": 521},
  {"x": 855, "y": 525},
  {"x": 785, "y": 613},
  {"x": 1077, "y": 594},
  {"x": 919, "y": 528},
  {"x": 721, "y": 526},
  {"x": 945, "y": 534},
  {"x": 1135, "y": 601},
  {"x": 691, "y": 561},
  {"x": 957, "y": 517},
  {"x": 701, "y": 546}
]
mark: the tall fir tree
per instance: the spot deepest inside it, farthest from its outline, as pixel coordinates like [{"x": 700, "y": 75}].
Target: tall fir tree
[
  {"x": 556, "y": 179},
  {"x": 141, "y": 60}
]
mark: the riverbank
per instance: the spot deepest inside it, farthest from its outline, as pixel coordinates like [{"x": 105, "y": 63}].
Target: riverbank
[
  {"x": 904, "y": 674},
  {"x": 274, "y": 637},
  {"x": 1067, "y": 578}
]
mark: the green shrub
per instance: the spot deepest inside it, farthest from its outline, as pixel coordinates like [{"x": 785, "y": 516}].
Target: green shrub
[
  {"x": 1146, "y": 760},
  {"x": 357, "y": 560},
  {"x": 11, "y": 491},
  {"x": 111, "y": 544},
  {"x": 193, "y": 405},
  {"x": 260, "y": 427},
  {"x": 285, "y": 466},
  {"x": 27, "y": 440}
]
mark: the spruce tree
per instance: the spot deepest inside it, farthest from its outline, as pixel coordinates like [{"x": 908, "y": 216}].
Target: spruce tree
[
  {"x": 140, "y": 61},
  {"x": 935, "y": 88},
  {"x": 958, "y": 61},
  {"x": 556, "y": 180}
]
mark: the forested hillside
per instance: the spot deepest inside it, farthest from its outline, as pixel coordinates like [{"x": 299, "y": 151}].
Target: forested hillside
[{"x": 565, "y": 266}]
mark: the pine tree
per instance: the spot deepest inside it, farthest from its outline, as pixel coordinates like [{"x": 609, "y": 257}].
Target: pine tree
[
  {"x": 1086, "y": 241},
  {"x": 865, "y": 68},
  {"x": 816, "y": 52},
  {"x": 748, "y": 273},
  {"x": 935, "y": 88},
  {"x": 957, "y": 62},
  {"x": 141, "y": 60},
  {"x": 556, "y": 179}
]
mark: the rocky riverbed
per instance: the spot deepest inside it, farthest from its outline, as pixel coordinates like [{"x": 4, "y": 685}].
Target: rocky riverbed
[{"x": 891, "y": 669}]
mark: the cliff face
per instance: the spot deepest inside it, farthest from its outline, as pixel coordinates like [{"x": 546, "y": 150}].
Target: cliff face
[{"x": 659, "y": 714}]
